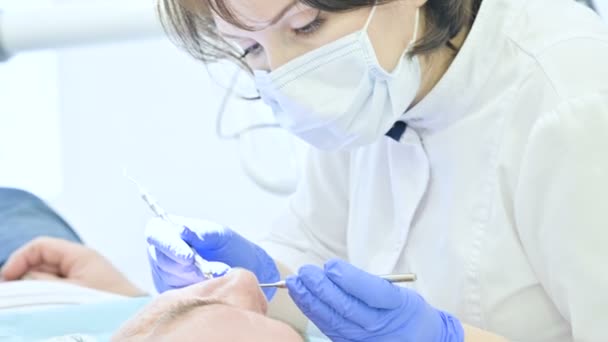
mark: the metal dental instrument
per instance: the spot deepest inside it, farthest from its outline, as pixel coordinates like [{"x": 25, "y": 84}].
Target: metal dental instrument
[
  {"x": 393, "y": 278},
  {"x": 161, "y": 213}
]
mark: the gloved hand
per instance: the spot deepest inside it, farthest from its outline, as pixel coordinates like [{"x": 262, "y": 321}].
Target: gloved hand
[
  {"x": 172, "y": 258},
  {"x": 348, "y": 304}
]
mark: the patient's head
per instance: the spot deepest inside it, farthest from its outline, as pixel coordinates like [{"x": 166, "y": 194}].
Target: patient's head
[
  {"x": 217, "y": 321},
  {"x": 231, "y": 308}
]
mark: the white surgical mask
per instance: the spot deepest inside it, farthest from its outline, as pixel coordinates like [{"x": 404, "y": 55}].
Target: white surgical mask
[{"x": 338, "y": 96}]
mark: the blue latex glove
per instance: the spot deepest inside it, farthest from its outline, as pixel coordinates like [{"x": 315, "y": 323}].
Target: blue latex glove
[
  {"x": 348, "y": 304},
  {"x": 172, "y": 259}
]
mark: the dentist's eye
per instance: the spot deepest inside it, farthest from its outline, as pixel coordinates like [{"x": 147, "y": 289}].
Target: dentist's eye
[
  {"x": 310, "y": 28},
  {"x": 253, "y": 50}
]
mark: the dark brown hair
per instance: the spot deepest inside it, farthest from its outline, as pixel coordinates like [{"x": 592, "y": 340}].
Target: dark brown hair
[{"x": 194, "y": 30}]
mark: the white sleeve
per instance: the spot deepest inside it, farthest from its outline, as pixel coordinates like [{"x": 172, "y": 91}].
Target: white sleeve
[
  {"x": 313, "y": 228},
  {"x": 561, "y": 211}
]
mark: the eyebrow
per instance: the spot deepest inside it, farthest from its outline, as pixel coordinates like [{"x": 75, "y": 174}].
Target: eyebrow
[
  {"x": 283, "y": 12},
  {"x": 185, "y": 307},
  {"x": 275, "y": 20}
]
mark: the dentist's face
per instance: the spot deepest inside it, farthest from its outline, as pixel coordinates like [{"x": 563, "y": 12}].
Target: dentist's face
[{"x": 286, "y": 29}]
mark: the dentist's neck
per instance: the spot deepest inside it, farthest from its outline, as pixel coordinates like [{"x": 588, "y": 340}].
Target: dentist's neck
[{"x": 437, "y": 63}]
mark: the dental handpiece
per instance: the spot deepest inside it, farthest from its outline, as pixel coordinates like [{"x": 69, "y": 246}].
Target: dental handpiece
[
  {"x": 392, "y": 278},
  {"x": 162, "y": 214}
]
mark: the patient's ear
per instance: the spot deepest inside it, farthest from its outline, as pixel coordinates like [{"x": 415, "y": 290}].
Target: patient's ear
[
  {"x": 72, "y": 338},
  {"x": 34, "y": 275}
]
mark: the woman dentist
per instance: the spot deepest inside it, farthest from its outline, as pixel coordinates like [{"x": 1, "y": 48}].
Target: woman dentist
[{"x": 462, "y": 140}]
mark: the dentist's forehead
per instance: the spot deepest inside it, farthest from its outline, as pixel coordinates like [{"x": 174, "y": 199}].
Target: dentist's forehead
[{"x": 248, "y": 12}]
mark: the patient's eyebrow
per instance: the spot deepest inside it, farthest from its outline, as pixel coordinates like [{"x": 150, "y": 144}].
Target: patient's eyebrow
[{"x": 183, "y": 308}]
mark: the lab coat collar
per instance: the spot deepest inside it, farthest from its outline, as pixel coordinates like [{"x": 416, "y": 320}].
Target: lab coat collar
[{"x": 453, "y": 96}]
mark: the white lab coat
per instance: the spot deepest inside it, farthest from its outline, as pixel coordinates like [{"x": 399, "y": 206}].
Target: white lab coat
[{"x": 497, "y": 195}]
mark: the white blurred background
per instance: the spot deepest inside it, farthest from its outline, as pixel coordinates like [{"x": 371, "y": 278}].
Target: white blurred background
[{"x": 71, "y": 120}]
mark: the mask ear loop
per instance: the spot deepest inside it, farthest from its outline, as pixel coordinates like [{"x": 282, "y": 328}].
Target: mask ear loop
[
  {"x": 369, "y": 18},
  {"x": 416, "y": 28}
]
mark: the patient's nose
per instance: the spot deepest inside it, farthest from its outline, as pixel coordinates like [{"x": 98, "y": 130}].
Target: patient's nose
[{"x": 241, "y": 288}]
